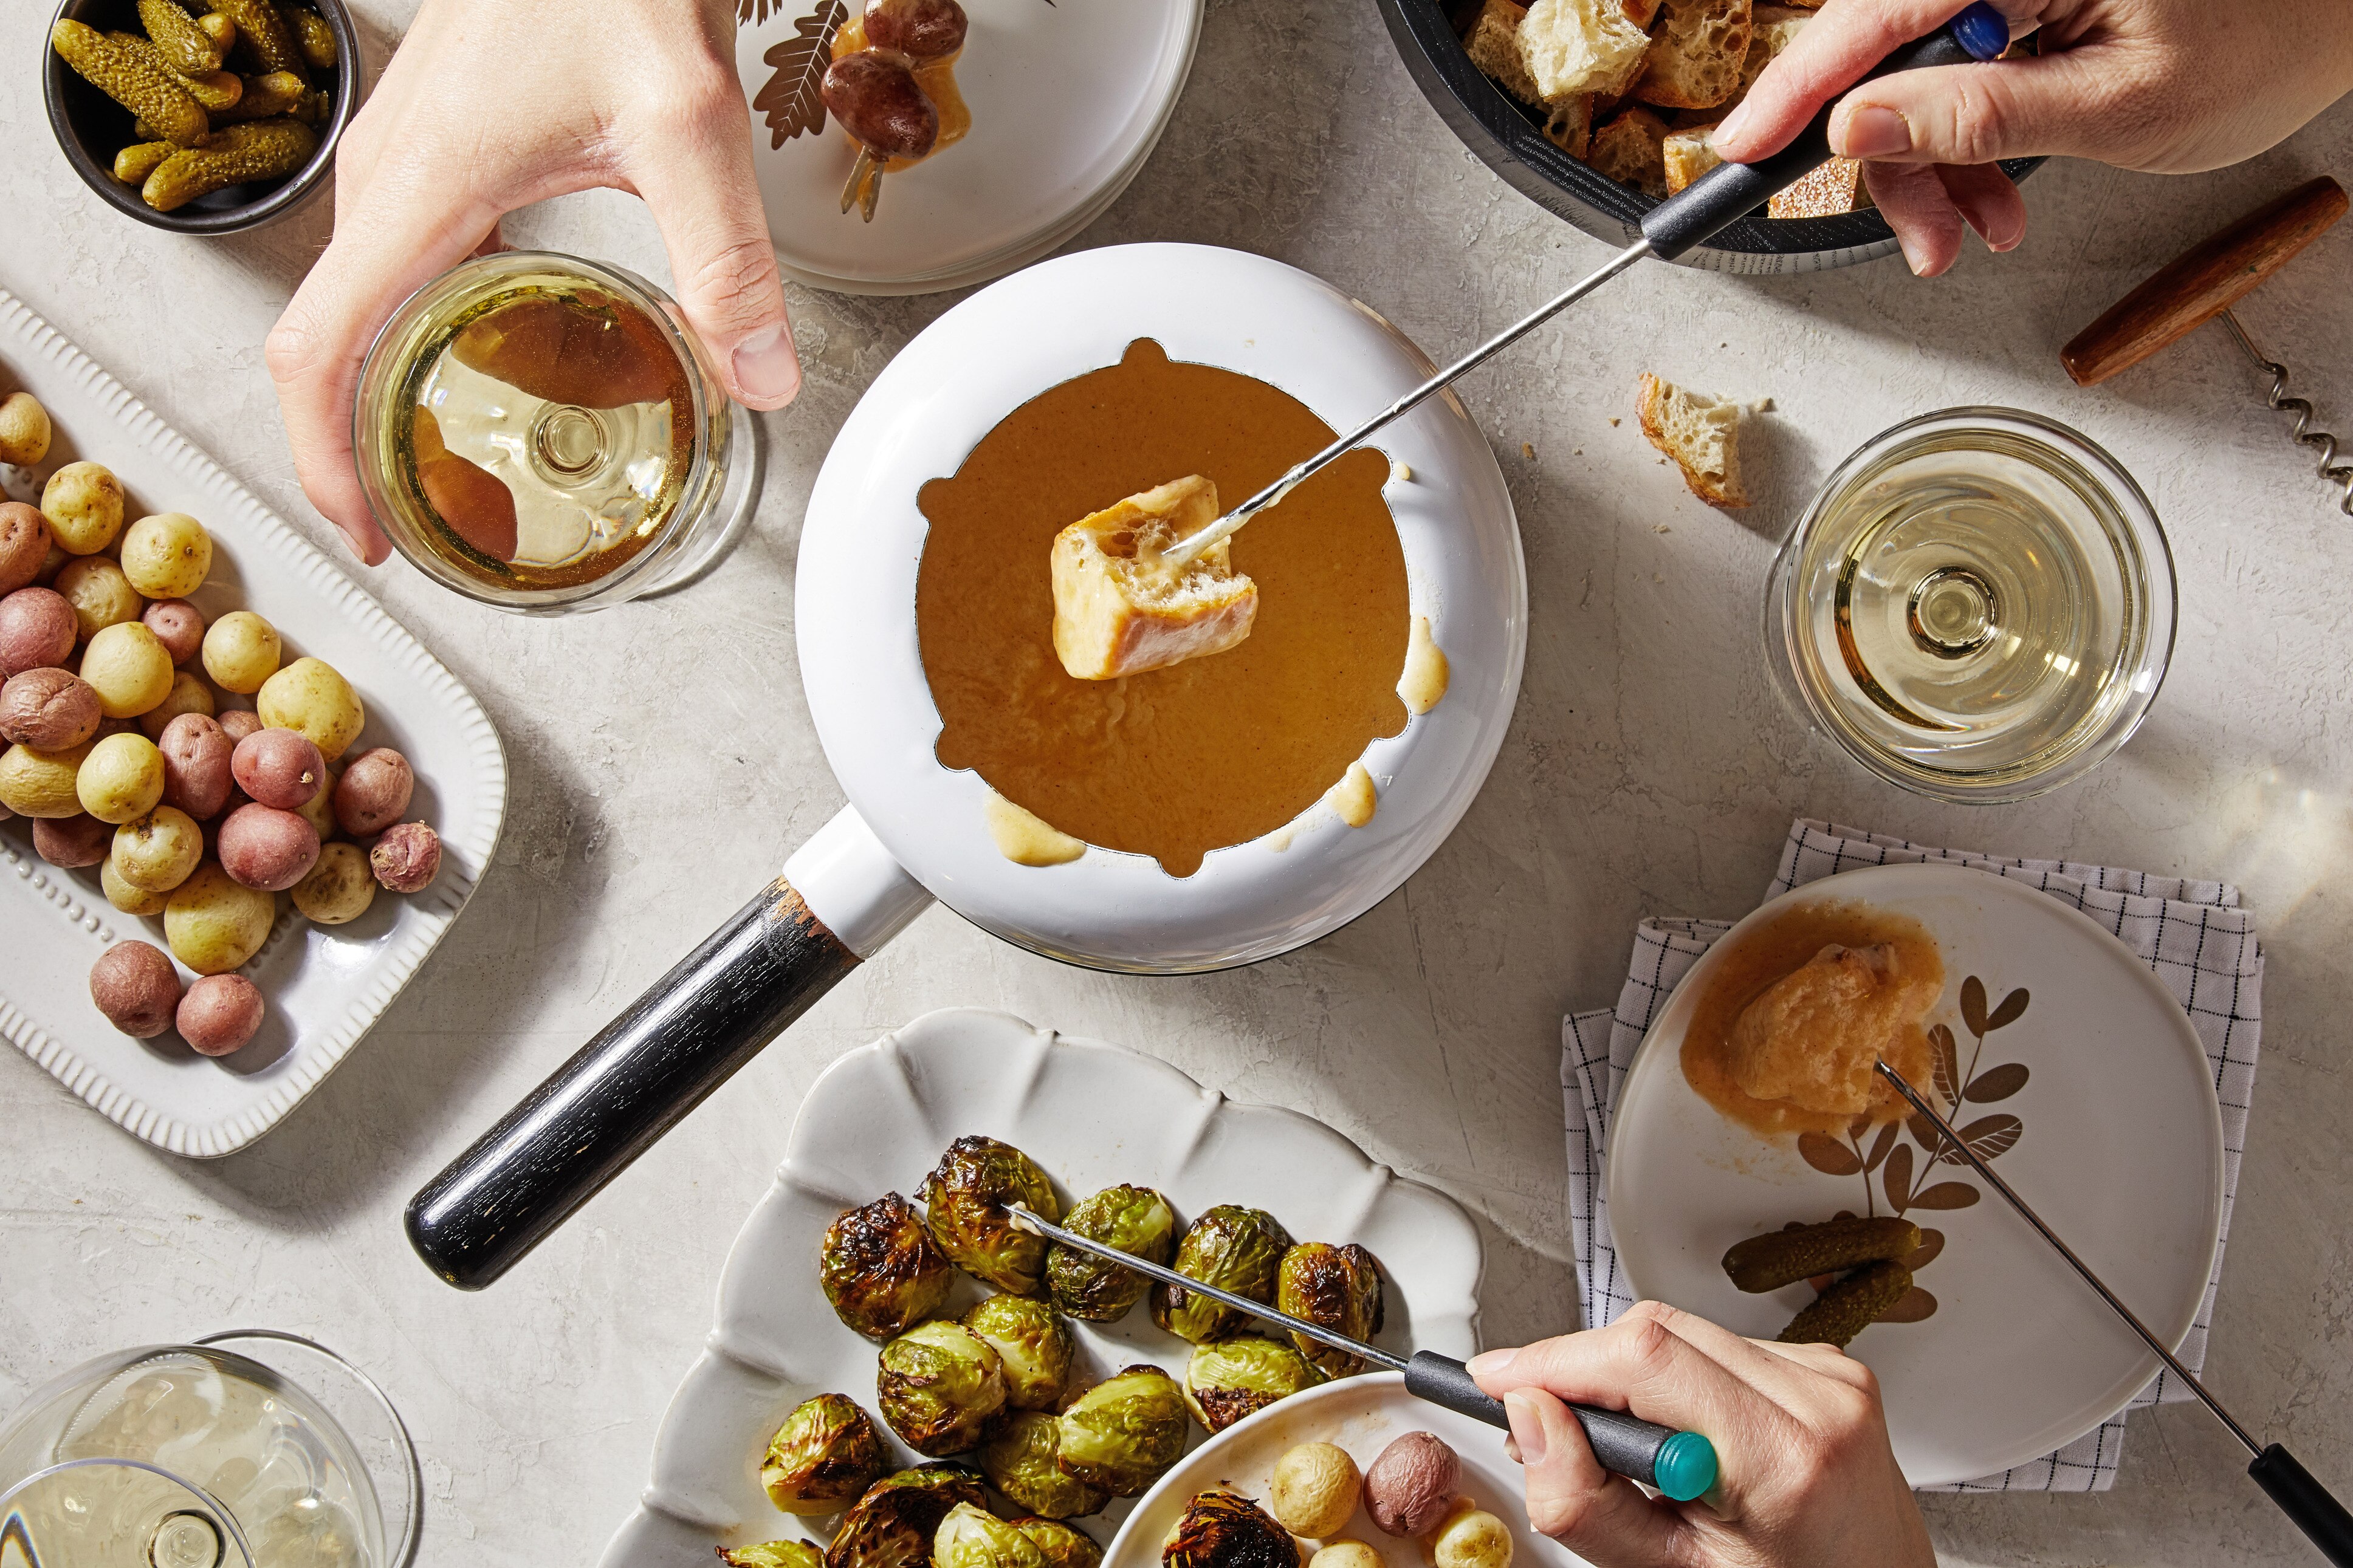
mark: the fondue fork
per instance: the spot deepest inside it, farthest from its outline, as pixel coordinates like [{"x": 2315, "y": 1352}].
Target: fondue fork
[
  {"x": 2287, "y": 1483},
  {"x": 1709, "y": 205},
  {"x": 1681, "y": 1465}
]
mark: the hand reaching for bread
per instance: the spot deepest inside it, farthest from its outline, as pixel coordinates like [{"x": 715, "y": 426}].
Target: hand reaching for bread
[{"x": 2163, "y": 86}]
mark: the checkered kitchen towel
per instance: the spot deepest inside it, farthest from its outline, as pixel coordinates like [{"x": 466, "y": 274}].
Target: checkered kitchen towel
[{"x": 2195, "y": 935}]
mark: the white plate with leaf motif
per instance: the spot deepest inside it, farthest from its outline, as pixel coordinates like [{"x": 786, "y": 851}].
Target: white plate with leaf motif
[
  {"x": 1092, "y": 1115},
  {"x": 2106, "y": 1123}
]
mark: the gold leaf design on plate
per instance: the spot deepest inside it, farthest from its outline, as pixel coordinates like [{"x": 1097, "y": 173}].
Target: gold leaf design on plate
[
  {"x": 1946, "y": 1195},
  {"x": 752, "y": 13},
  {"x": 791, "y": 99},
  {"x": 1827, "y": 1155},
  {"x": 1898, "y": 1177},
  {"x": 1913, "y": 1306},
  {"x": 1997, "y": 1083},
  {"x": 1948, "y": 1064},
  {"x": 1989, "y": 1138},
  {"x": 1973, "y": 1005},
  {"x": 2013, "y": 1008},
  {"x": 1882, "y": 1145}
]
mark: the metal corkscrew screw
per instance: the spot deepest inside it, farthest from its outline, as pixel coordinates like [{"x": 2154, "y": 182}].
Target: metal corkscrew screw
[{"x": 2330, "y": 469}]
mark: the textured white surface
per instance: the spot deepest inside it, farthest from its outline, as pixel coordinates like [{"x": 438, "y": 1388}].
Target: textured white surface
[{"x": 663, "y": 765}]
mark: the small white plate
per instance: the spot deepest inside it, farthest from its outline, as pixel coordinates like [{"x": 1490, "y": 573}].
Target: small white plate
[
  {"x": 1362, "y": 1414},
  {"x": 2120, "y": 1152},
  {"x": 325, "y": 986},
  {"x": 1093, "y": 1115},
  {"x": 1068, "y": 98}
]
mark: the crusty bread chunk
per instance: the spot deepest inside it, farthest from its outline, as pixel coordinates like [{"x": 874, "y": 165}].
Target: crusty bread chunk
[
  {"x": 1701, "y": 433},
  {"x": 1695, "y": 57},
  {"x": 1631, "y": 148},
  {"x": 1814, "y": 1036},
  {"x": 1493, "y": 45},
  {"x": 1689, "y": 153},
  {"x": 1570, "y": 124},
  {"x": 1581, "y": 46},
  {"x": 1835, "y": 187},
  {"x": 1119, "y": 610},
  {"x": 1642, "y": 13},
  {"x": 1772, "y": 29}
]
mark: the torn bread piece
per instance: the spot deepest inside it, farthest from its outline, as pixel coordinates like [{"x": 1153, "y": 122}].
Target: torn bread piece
[
  {"x": 1701, "y": 433},
  {"x": 1772, "y": 29},
  {"x": 1569, "y": 125},
  {"x": 1642, "y": 13},
  {"x": 1580, "y": 47},
  {"x": 1120, "y": 610},
  {"x": 1696, "y": 54},
  {"x": 1493, "y": 45},
  {"x": 1631, "y": 149},
  {"x": 1688, "y": 152},
  {"x": 1814, "y": 1036}
]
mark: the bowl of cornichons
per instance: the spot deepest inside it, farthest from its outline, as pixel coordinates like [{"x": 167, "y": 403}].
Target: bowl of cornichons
[
  {"x": 207, "y": 117},
  {"x": 1598, "y": 110}
]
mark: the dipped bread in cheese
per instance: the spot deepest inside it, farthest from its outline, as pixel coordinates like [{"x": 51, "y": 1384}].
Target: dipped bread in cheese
[{"x": 1120, "y": 609}]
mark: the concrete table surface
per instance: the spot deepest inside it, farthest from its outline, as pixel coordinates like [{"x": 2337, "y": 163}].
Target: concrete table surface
[{"x": 661, "y": 756}]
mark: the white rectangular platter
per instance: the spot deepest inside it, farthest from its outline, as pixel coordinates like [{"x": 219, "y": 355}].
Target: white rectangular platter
[{"x": 324, "y": 986}]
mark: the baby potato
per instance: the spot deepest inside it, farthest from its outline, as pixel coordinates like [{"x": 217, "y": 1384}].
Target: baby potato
[
  {"x": 136, "y": 988},
  {"x": 23, "y": 430},
  {"x": 197, "y": 779},
  {"x": 129, "y": 668},
  {"x": 100, "y": 594},
  {"x": 70, "y": 841},
  {"x": 213, "y": 924},
  {"x": 157, "y": 852},
  {"x": 24, "y": 543},
  {"x": 168, "y": 556},
  {"x": 37, "y": 630},
  {"x": 47, "y": 707},
  {"x": 407, "y": 858},
  {"x": 308, "y": 695},
  {"x": 319, "y": 811},
  {"x": 340, "y": 888},
  {"x": 178, "y": 626},
  {"x": 279, "y": 768},
  {"x": 374, "y": 791},
  {"x": 130, "y": 901},
  {"x": 188, "y": 695},
  {"x": 241, "y": 651},
  {"x": 83, "y": 502},
  {"x": 239, "y": 722},
  {"x": 220, "y": 1014},
  {"x": 1473, "y": 1539},
  {"x": 41, "y": 784},
  {"x": 264, "y": 847},
  {"x": 123, "y": 778}
]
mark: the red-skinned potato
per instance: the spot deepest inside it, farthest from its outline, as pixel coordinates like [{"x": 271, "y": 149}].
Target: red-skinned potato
[
  {"x": 178, "y": 626},
  {"x": 236, "y": 723},
  {"x": 134, "y": 984},
  {"x": 24, "y": 544},
  {"x": 220, "y": 1014},
  {"x": 36, "y": 630},
  {"x": 196, "y": 777},
  {"x": 48, "y": 709},
  {"x": 279, "y": 768},
  {"x": 374, "y": 791},
  {"x": 266, "y": 848},
  {"x": 407, "y": 858},
  {"x": 1408, "y": 1485},
  {"x": 71, "y": 841}
]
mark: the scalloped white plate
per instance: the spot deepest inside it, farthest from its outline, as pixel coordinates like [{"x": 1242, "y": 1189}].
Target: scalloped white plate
[
  {"x": 1093, "y": 1115},
  {"x": 325, "y": 986}
]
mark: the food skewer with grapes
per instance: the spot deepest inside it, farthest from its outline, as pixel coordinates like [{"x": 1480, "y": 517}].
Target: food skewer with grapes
[{"x": 892, "y": 85}]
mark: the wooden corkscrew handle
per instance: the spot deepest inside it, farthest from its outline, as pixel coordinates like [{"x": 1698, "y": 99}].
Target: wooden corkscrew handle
[{"x": 2203, "y": 282}]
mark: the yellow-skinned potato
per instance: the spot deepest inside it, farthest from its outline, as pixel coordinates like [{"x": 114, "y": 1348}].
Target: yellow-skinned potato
[
  {"x": 319, "y": 811},
  {"x": 168, "y": 556},
  {"x": 42, "y": 783},
  {"x": 188, "y": 695},
  {"x": 241, "y": 651},
  {"x": 157, "y": 852},
  {"x": 123, "y": 778},
  {"x": 130, "y": 901},
  {"x": 83, "y": 502},
  {"x": 339, "y": 888},
  {"x": 129, "y": 668},
  {"x": 99, "y": 593},
  {"x": 310, "y": 698},
  {"x": 213, "y": 924},
  {"x": 23, "y": 430}
]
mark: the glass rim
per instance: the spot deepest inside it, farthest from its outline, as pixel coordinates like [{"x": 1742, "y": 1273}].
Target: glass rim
[
  {"x": 367, "y": 450},
  {"x": 213, "y": 1511},
  {"x": 2145, "y": 677}
]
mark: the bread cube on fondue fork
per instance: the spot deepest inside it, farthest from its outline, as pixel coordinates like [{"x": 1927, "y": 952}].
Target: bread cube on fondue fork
[
  {"x": 1814, "y": 1036},
  {"x": 1120, "y": 609}
]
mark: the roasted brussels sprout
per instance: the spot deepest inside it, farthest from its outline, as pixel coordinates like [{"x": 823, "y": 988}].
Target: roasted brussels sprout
[
  {"x": 1062, "y": 1546},
  {"x": 1228, "y": 1379},
  {"x": 1232, "y": 1248},
  {"x": 823, "y": 1456},
  {"x": 881, "y": 1270},
  {"x": 964, "y": 1203},
  {"x": 938, "y": 1385},
  {"x": 893, "y": 1525},
  {"x": 1337, "y": 1287},
  {"x": 773, "y": 1554},
  {"x": 1135, "y": 1220},
  {"x": 1123, "y": 1433},
  {"x": 1223, "y": 1528},
  {"x": 1032, "y": 1341},
  {"x": 972, "y": 1537},
  {"x": 1019, "y": 1461}
]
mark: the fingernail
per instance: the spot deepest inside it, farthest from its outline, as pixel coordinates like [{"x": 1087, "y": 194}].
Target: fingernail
[
  {"x": 1973, "y": 213},
  {"x": 1873, "y": 131},
  {"x": 1512, "y": 1451},
  {"x": 1489, "y": 1361},
  {"x": 1729, "y": 128},
  {"x": 766, "y": 365},
  {"x": 1527, "y": 1428}
]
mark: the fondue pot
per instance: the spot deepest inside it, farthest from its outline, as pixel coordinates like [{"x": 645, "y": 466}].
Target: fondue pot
[{"x": 914, "y": 831}]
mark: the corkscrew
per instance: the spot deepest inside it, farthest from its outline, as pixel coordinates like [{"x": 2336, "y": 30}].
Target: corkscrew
[{"x": 2202, "y": 284}]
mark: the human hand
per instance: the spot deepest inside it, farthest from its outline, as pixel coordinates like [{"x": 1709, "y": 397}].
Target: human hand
[
  {"x": 1804, "y": 1472},
  {"x": 2162, "y": 85},
  {"x": 490, "y": 105}
]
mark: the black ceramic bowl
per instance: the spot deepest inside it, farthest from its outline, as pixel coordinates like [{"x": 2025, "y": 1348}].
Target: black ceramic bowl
[
  {"x": 92, "y": 128},
  {"x": 1508, "y": 140}
]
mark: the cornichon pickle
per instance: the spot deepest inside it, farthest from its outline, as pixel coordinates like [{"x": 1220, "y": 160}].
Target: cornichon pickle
[
  {"x": 136, "y": 162},
  {"x": 262, "y": 30},
  {"x": 186, "y": 47},
  {"x": 219, "y": 30},
  {"x": 261, "y": 150},
  {"x": 134, "y": 81},
  {"x": 1848, "y": 1307},
  {"x": 218, "y": 91},
  {"x": 1785, "y": 1257},
  {"x": 267, "y": 97},
  {"x": 311, "y": 36}
]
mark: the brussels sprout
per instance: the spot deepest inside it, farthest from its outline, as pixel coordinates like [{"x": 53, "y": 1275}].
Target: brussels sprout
[
  {"x": 1032, "y": 1341},
  {"x": 1062, "y": 1546},
  {"x": 881, "y": 1270},
  {"x": 972, "y": 1537},
  {"x": 938, "y": 1385},
  {"x": 1223, "y": 1528},
  {"x": 1123, "y": 1433},
  {"x": 822, "y": 1458},
  {"x": 964, "y": 1203},
  {"x": 1019, "y": 1461},
  {"x": 893, "y": 1525},
  {"x": 1337, "y": 1287},
  {"x": 1232, "y": 1248},
  {"x": 1228, "y": 1379},
  {"x": 773, "y": 1554},
  {"x": 1135, "y": 1220}
]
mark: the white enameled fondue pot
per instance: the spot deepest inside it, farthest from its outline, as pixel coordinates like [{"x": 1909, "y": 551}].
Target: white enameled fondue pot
[{"x": 914, "y": 831}]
